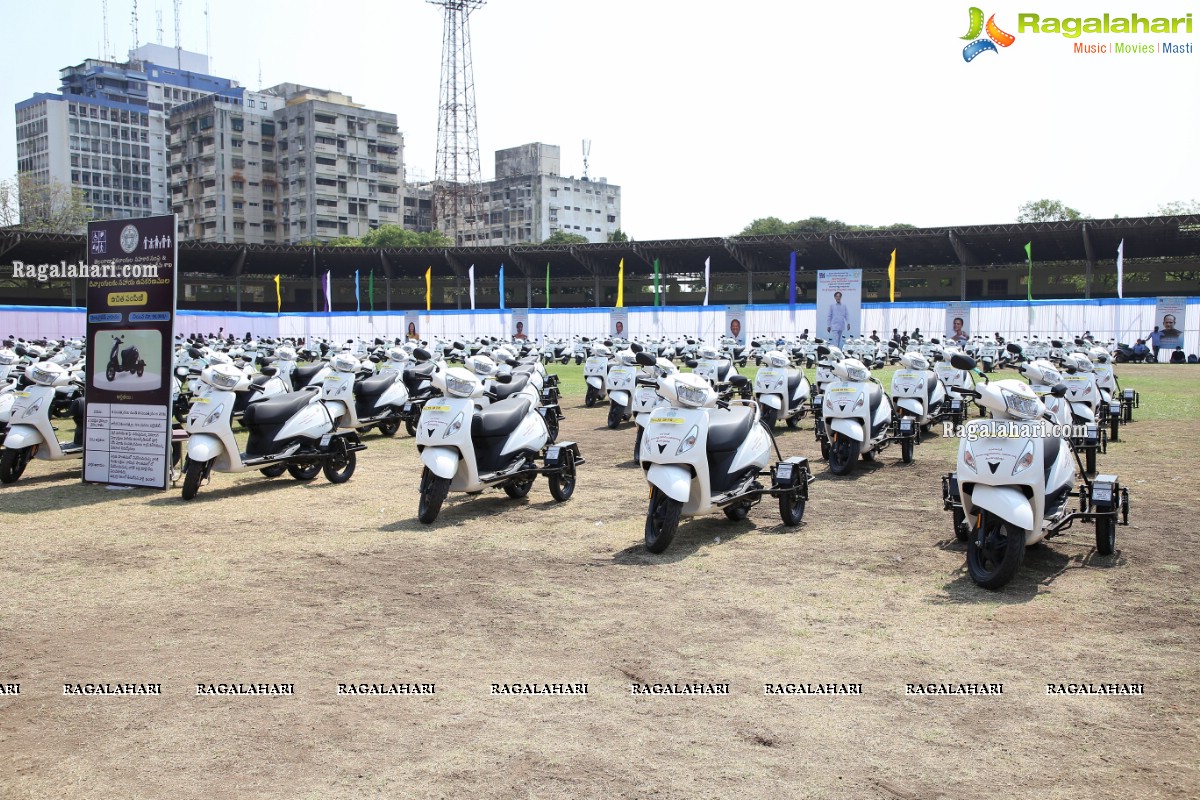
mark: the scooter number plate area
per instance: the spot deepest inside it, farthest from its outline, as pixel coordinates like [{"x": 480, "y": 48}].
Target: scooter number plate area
[{"x": 326, "y": 439}]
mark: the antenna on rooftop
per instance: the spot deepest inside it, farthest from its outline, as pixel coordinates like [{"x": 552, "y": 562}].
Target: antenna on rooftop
[
  {"x": 158, "y": 19},
  {"x": 104, "y": 11},
  {"x": 133, "y": 25},
  {"x": 178, "y": 45},
  {"x": 587, "y": 151}
]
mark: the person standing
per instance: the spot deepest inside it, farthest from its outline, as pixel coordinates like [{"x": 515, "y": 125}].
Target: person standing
[
  {"x": 837, "y": 320},
  {"x": 1155, "y": 338}
]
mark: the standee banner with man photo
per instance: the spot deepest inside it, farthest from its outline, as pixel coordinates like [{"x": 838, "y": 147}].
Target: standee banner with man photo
[
  {"x": 839, "y": 304},
  {"x": 130, "y": 336},
  {"x": 958, "y": 323},
  {"x": 618, "y": 323},
  {"x": 1169, "y": 316},
  {"x": 735, "y": 323},
  {"x": 520, "y": 323}
]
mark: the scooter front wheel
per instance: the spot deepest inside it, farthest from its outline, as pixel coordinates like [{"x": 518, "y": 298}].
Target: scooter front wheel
[
  {"x": 410, "y": 427},
  {"x": 13, "y": 462},
  {"x": 615, "y": 414},
  {"x": 995, "y": 550},
  {"x": 662, "y": 520},
  {"x": 193, "y": 473},
  {"x": 274, "y": 471},
  {"x": 843, "y": 453},
  {"x": 433, "y": 494},
  {"x": 110, "y": 372},
  {"x": 389, "y": 427},
  {"x": 770, "y": 415}
]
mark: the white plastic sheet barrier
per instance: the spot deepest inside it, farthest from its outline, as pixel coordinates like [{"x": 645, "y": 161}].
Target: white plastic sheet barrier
[{"x": 1124, "y": 320}]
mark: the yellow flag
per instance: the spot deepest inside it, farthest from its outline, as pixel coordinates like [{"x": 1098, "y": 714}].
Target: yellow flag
[
  {"x": 621, "y": 285},
  {"x": 278, "y": 296},
  {"x": 892, "y": 278},
  {"x": 429, "y": 289}
]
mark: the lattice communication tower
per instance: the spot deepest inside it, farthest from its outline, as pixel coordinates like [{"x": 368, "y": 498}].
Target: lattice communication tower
[{"x": 457, "y": 188}]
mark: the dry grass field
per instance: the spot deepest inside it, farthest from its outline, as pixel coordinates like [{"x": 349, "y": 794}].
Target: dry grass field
[{"x": 273, "y": 581}]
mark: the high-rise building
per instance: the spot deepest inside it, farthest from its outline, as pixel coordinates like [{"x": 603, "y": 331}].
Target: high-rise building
[
  {"x": 223, "y": 167},
  {"x": 341, "y": 166},
  {"x": 529, "y": 200},
  {"x": 105, "y": 131}
]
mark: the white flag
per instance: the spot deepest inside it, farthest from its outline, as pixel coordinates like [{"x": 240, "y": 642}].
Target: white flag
[
  {"x": 706, "y": 280},
  {"x": 471, "y": 274},
  {"x": 1121, "y": 269}
]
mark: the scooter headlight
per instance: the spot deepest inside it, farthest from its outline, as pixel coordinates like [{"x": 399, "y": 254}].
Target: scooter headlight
[
  {"x": 215, "y": 415},
  {"x": 454, "y": 426},
  {"x": 1018, "y": 406},
  {"x": 857, "y": 374},
  {"x": 689, "y": 441},
  {"x": 691, "y": 396},
  {"x": 459, "y": 387},
  {"x": 1025, "y": 460}
]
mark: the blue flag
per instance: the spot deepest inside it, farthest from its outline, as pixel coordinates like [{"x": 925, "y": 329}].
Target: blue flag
[
  {"x": 792, "y": 281},
  {"x": 357, "y": 300},
  {"x": 501, "y": 286}
]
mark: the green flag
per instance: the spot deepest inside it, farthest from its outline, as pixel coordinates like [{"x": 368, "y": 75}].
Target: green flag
[
  {"x": 1029, "y": 282},
  {"x": 547, "y": 284},
  {"x": 656, "y": 301},
  {"x": 371, "y": 289}
]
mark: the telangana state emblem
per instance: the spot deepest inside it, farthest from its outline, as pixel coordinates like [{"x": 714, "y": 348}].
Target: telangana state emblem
[{"x": 129, "y": 238}]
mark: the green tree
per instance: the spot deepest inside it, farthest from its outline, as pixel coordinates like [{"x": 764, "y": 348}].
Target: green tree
[
  {"x": 1046, "y": 210},
  {"x": 618, "y": 236},
  {"x": 562, "y": 237},
  {"x": 394, "y": 236},
  {"x": 53, "y": 207},
  {"x": 1178, "y": 207}
]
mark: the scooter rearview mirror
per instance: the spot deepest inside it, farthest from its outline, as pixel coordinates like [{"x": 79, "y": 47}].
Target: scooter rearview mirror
[
  {"x": 645, "y": 359},
  {"x": 962, "y": 361}
]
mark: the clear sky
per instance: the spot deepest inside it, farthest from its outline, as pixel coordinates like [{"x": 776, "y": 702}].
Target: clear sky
[{"x": 709, "y": 116}]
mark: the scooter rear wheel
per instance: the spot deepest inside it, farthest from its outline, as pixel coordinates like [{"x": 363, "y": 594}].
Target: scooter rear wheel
[
  {"x": 304, "y": 472},
  {"x": 433, "y": 494},
  {"x": 995, "y": 550},
  {"x": 410, "y": 427},
  {"x": 389, "y": 427},
  {"x": 662, "y": 520},
  {"x": 13, "y": 462},
  {"x": 793, "y": 421}
]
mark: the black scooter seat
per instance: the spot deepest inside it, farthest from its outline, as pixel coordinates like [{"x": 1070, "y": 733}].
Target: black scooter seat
[
  {"x": 415, "y": 375},
  {"x": 302, "y": 376},
  {"x": 275, "y": 410},
  {"x": 504, "y": 391},
  {"x": 728, "y": 428},
  {"x": 374, "y": 386},
  {"x": 500, "y": 419},
  {"x": 794, "y": 377}
]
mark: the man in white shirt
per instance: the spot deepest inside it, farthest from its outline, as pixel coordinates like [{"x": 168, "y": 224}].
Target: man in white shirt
[{"x": 837, "y": 321}]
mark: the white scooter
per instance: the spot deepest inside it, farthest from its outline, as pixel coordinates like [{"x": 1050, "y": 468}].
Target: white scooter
[
  {"x": 468, "y": 449},
  {"x": 701, "y": 454},
  {"x": 916, "y": 390},
  {"x": 622, "y": 373},
  {"x": 646, "y": 396},
  {"x": 595, "y": 374},
  {"x": 714, "y": 367},
  {"x": 293, "y": 432},
  {"x": 1083, "y": 397},
  {"x": 782, "y": 391},
  {"x": 857, "y": 419},
  {"x": 30, "y": 432},
  {"x": 1014, "y": 481},
  {"x": 358, "y": 400}
]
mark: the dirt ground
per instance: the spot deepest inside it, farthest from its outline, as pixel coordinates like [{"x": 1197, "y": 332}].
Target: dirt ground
[{"x": 274, "y": 581}]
